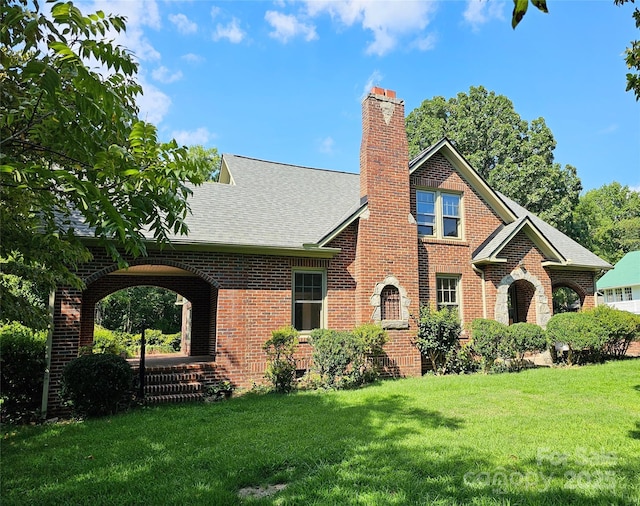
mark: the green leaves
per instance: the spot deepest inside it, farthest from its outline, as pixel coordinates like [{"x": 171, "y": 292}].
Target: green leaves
[
  {"x": 75, "y": 161},
  {"x": 520, "y": 9}
]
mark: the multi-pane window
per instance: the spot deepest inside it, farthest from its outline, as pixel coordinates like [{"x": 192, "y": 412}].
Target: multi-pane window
[
  {"x": 447, "y": 291},
  {"x": 308, "y": 298},
  {"x": 628, "y": 293},
  {"x": 450, "y": 215},
  {"x": 390, "y": 303},
  {"x": 618, "y": 292},
  {"x": 438, "y": 214},
  {"x": 426, "y": 211}
]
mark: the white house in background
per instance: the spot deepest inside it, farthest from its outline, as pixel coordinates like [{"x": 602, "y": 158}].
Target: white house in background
[{"x": 621, "y": 285}]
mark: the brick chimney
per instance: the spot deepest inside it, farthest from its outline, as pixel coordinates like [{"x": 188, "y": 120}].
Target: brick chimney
[{"x": 387, "y": 247}]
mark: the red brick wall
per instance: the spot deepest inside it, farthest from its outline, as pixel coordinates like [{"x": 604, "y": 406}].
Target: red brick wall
[{"x": 582, "y": 282}]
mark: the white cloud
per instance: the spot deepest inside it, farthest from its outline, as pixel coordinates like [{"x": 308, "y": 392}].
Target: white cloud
[
  {"x": 326, "y": 145},
  {"x": 183, "y": 23},
  {"x": 231, "y": 31},
  {"x": 388, "y": 21},
  {"x": 200, "y": 136},
  {"x": 287, "y": 26},
  {"x": 635, "y": 188},
  {"x": 139, "y": 14},
  {"x": 192, "y": 58},
  {"x": 373, "y": 80},
  {"x": 214, "y": 12},
  {"x": 425, "y": 43},
  {"x": 164, "y": 75},
  {"x": 479, "y": 12},
  {"x": 608, "y": 129},
  {"x": 153, "y": 104}
]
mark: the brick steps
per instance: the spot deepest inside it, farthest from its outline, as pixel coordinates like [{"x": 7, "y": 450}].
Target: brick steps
[{"x": 176, "y": 383}]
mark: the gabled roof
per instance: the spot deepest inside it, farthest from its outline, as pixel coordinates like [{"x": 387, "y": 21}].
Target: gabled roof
[
  {"x": 490, "y": 250},
  {"x": 448, "y": 150},
  {"x": 575, "y": 255},
  {"x": 625, "y": 273}
]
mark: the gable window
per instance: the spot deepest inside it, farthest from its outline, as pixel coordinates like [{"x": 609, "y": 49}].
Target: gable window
[
  {"x": 308, "y": 300},
  {"x": 438, "y": 214},
  {"x": 447, "y": 290},
  {"x": 390, "y": 303}
]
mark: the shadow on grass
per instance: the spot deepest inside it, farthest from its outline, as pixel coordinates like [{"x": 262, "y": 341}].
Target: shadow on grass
[
  {"x": 329, "y": 448},
  {"x": 635, "y": 433}
]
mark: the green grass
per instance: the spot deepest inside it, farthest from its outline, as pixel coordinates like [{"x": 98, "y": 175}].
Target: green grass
[{"x": 546, "y": 436}]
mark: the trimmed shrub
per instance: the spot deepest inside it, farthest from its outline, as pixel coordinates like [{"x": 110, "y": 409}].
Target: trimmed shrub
[
  {"x": 523, "y": 338},
  {"x": 438, "y": 335},
  {"x": 581, "y": 333},
  {"x": 460, "y": 360},
  {"x": 22, "y": 367},
  {"x": 107, "y": 341},
  {"x": 97, "y": 384},
  {"x": 371, "y": 339},
  {"x": 488, "y": 337},
  {"x": 281, "y": 365},
  {"x": 621, "y": 327}
]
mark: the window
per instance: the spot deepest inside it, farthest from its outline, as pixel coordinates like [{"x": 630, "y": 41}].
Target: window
[
  {"x": 426, "y": 211},
  {"x": 438, "y": 214},
  {"x": 618, "y": 295},
  {"x": 628, "y": 294},
  {"x": 447, "y": 290},
  {"x": 390, "y": 303},
  {"x": 308, "y": 300}
]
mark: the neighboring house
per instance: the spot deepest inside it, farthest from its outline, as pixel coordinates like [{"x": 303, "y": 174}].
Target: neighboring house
[
  {"x": 274, "y": 244},
  {"x": 620, "y": 287}
]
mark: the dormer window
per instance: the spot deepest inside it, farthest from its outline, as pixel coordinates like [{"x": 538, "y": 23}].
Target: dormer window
[{"x": 438, "y": 214}]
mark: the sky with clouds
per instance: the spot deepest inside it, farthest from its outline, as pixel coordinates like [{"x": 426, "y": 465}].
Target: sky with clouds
[{"x": 283, "y": 80}]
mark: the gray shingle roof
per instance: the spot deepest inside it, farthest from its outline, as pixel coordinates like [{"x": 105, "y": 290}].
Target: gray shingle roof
[
  {"x": 574, "y": 253},
  {"x": 271, "y": 204}
]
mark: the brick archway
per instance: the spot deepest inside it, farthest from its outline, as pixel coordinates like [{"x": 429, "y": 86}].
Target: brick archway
[{"x": 539, "y": 299}]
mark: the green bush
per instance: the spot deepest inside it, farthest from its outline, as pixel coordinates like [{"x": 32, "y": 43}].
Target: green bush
[
  {"x": 438, "y": 336},
  {"x": 281, "y": 364},
  {"x": 581, "y": 333},
  {"x": 522, "y": 338},
  {"x": 107, "y": 341},
  {"x": 22, "y": 367},
  {"x": 460, "y": 360},
  {"x": 371, "y": 339},
  {"x": 621, "y": 327},
  {"x": 488, "y": 338},
  {"x": 97, "y": 384}
]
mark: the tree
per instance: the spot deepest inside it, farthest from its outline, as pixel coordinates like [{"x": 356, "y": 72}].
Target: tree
[
  {"x": 607, "y": 221},
  {"x": 632, "y": 53},
  {"x": 207, "y": 158},
  {"x": 72, "y": 149},
  {"x": 514, "y": 156},
  {"x": 134, "y": 308}
]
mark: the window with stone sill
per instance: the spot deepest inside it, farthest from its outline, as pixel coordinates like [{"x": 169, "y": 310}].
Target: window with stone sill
[
  {"x": 438, "y": 214},
  {"x": 447, "y": 288}
]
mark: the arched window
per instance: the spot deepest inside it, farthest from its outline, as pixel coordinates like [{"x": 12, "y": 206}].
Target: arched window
[{"x": 390, "y": 303}]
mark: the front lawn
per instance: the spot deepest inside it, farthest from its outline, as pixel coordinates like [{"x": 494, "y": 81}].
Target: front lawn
[{"x": 546, "y": 436}]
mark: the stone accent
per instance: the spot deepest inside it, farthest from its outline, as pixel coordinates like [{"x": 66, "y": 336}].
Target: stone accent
[
  {"x": 405, "y": 302},
  {"x": 543, "y": 311}
]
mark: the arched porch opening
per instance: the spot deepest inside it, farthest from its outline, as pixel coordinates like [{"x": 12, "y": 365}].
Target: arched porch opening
[
  {"x": 567, "y": 297},
  {"x": 199, "y": 311},
  {"x": 521, "y": 298}
]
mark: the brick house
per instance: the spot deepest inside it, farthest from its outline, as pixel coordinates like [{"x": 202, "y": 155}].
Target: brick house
[{"x": 272, "y": 244}]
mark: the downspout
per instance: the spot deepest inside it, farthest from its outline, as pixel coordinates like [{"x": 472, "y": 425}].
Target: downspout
[
  {"x": 484, "y": 290},
  {"x": 49, "y": 347}
]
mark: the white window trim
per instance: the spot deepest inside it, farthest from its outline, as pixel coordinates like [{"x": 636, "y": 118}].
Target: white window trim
[
  {"x": 458, "y": 304},
  {"x": 439, "y": 218},
  {"x": 323, "y": 309}
]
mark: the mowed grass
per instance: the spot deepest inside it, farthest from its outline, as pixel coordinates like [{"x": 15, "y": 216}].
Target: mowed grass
[{"x": 545, "y": 436}]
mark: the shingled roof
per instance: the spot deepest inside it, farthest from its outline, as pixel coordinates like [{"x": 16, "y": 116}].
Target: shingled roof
[{"x": 270, "y": 204}]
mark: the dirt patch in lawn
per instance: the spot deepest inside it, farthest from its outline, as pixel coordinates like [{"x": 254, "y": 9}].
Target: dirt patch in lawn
[{"x": 260, "y": 492}]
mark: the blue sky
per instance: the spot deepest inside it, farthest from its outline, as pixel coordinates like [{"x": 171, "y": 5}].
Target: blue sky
[{"x": 283, "y": 80}]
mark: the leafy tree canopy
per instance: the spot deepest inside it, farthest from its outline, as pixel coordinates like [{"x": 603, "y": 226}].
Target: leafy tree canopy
[
  {"x": 514, "y": 156},
  {"x": 607, "y": 221},
  {"x": 71, "y": 146},
  {"x": 207, "y": 158}
]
